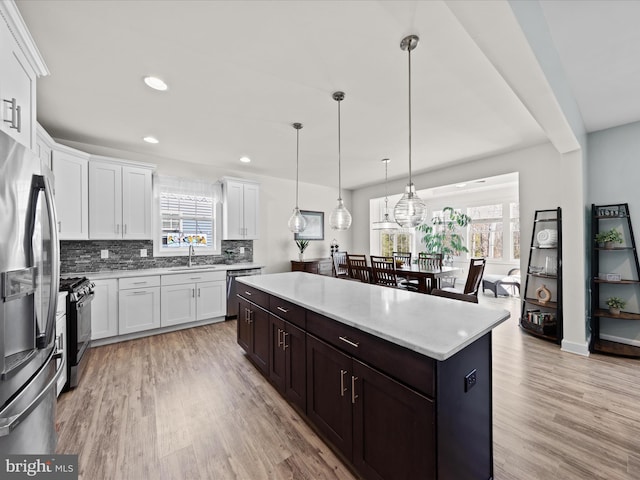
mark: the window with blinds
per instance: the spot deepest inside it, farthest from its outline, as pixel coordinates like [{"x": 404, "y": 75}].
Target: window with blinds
[{"x": 187, "y": 220}]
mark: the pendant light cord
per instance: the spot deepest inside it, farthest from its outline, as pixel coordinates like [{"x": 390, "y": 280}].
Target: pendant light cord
[
  {"x": 339, "y": 157},
  {"x": 409, "y": 50},
  {"x": 386, "y": 193},
  {"x": 297, "y": 161}
]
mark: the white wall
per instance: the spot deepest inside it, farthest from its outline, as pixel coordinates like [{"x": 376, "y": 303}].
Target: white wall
[
  {"x": 613, "y": 172},
  {"x": 275, "y": 248}
]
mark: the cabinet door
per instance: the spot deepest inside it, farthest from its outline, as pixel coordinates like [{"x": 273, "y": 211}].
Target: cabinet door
[
  {"x": 244, "y": 325},
  {"x": 295, "y": 345},
  {"x": 138, "y": 310},
  {"x": 260, "y": 341},
  {"x": 329, "y": 393},
  {"x": 277, "y": 363},
  {"x": 212, "y": 300},
  {"x": 393, "y": 428},
  {"x": 72, "y": 195},
  {"x": 105, "y": 201},
  {"x": 61, "y": 343},
  {"x": 136, "y": 203},
  {"x": 18, "y": 81},
  {"x": 178, "y": 304},
  {"x": 251, "y": 217},
  {"x": 232, "y": 224},
  {"x": 104, "y": 309}
]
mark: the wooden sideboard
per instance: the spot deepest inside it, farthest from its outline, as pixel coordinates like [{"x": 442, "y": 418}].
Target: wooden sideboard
[{"x": 319, "y": 266}]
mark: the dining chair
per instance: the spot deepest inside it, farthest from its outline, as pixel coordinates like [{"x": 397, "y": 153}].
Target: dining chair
[
  {"x": 474, "y": 278},
  {"x": 454, "y": 295},
  {"x": 340, "y": 268},
  {"x": 358, "y": 268},
  {"x": 430, "y": 260},
  {"x": 404, "y": 257},
  {"x": 384, "y": 271}
]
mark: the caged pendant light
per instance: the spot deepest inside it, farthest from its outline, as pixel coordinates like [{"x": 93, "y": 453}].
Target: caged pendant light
[
  {"x": 340, "y": 218},
  {"x": 297, "y": 222},
  {"x": 386, "y": 224},
  {"x": 410, "y": 211}
]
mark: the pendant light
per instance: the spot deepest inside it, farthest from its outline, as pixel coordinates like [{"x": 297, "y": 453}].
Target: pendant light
[
  {"x": 385, "y": 224},
  {"x": 297, "y": 222},
  {"x": 410, "y": 211},
  {"x": 340, "y": 218}
]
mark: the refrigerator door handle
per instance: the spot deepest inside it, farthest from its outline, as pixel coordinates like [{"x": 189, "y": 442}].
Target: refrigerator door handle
[
  {"x": 8, "y": 424},
  {"x": 41, "y": 183}
]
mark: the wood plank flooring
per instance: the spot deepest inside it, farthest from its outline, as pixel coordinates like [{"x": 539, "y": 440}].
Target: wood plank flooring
[{"x": 189, "y": 405}]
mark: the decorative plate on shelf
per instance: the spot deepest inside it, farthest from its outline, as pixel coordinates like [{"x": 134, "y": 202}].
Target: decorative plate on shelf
[{"x": 547, "y": 237}]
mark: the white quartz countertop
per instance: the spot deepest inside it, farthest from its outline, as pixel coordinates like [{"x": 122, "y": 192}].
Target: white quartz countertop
[
  {"x": 106, "y": 274},
  {"x": 433, "y": 326}
]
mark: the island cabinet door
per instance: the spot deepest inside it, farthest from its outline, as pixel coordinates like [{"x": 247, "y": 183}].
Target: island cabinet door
[
  {"x": 259, "y": 353},
  {"x": 295, "y": 346},
  {"x": 244, "y": 325},
  {"x": 329, "y": 393},
  {"x": 394, "y": 433}
]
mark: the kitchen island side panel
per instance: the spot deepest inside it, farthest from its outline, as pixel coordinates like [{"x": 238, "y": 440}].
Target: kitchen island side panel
[{"x": 464, "y": 413}]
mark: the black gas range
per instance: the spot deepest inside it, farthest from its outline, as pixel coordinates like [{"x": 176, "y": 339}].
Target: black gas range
[{"x": 80, "y": 294}]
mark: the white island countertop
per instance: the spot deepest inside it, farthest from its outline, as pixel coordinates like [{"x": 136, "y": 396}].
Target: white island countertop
[{"x": 433, "y": 326}]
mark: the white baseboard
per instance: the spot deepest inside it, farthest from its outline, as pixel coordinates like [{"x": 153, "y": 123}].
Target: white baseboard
[
  {"x": 626, "y": 341},
  {"x": 577, "y": 348}
]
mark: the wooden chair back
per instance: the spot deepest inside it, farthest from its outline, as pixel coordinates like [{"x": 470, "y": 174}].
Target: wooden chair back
[
  {"x": 474, "y": 278},
  {"x": 384, "y": 271},
  {"x": 404, "y": 257},
  {"x": 358, "y": 268},
  {"x": 456, "y": 296},
  {"x": 340, "y": 267},
  {"x": 429, "y": 260}
]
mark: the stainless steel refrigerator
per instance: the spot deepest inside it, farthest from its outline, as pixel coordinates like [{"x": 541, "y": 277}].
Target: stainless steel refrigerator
[{"x": 29, "y": 280}]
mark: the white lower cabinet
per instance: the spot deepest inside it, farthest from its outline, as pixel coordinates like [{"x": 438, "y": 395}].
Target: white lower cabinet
[
  {"x": 61, "y": 341},
  {"x": 138, "y": 304},
  {"x": 187, "y": 297},
  {"x": 104, "y": 309}
]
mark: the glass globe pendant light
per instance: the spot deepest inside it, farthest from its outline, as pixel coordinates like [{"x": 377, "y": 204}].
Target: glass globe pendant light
[
  {"x": 386, "y": 224},
  {"x": 297, "y": 222},
  {"x": 410, "y": 211},
  {"x": 340, "y": 218}
]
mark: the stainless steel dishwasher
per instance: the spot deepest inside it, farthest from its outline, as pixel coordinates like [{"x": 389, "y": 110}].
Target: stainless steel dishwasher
[{"x": 232, "y": 300}]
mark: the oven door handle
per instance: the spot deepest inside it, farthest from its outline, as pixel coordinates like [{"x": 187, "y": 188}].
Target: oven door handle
[
  {"x": 8, "y": 424},
  {"x": 85, "y": 299}
]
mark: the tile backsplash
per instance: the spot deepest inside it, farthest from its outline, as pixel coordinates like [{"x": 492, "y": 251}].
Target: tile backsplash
[{"x": 84, "y": 256}]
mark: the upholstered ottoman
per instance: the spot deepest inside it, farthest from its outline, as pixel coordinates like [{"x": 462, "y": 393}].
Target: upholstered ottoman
[{"x": 501, "y": 284}]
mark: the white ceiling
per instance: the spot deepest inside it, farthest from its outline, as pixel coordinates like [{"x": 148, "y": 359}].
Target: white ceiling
[{"x": 240, "y": 72}]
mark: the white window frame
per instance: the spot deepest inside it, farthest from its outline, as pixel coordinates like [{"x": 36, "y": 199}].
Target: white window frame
[{"x": 182, "y": 186}]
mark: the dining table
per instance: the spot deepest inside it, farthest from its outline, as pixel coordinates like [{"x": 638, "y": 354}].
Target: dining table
[{"x": 427, "y": 277}]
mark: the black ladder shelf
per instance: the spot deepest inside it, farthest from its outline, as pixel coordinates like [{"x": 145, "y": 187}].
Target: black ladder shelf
[
  {"x": 615, "y": 271},
  {"x": 542, "y": 296}
]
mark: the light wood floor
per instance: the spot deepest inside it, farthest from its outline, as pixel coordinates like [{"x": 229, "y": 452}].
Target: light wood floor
[{"x": 188, "y": 405}]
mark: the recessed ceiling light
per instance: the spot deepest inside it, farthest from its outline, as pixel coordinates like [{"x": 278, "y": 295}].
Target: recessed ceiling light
[
  {"x": 151, "y": 140},
  {"x": 245, "y": 159},
  {"x": 461, "y": 185},
  {"x": 155, "y": 83}
]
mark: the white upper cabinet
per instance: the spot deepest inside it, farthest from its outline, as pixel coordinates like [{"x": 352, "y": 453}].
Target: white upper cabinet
[
  {"x": 70, "y": 170},
  {"x": 120, "y": 200},
  {"x": 44, "y": 146},
  {"x": 20, "y": 66},
  {"x": 240, "y": 211}
]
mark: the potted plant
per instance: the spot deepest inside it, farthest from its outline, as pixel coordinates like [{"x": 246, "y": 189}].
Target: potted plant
[
  {"x": 608, "y": 238},
  {"x": 442, "y": 236},
  {"x": 302, "y": 246},
  {"x": 615, "y": 304}
]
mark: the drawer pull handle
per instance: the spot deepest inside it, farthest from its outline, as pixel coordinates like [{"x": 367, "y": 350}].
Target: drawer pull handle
[
  {"x": 247, "y": 293},
  {"x": 353, "y": 389},
  {"x": 195, "y": 278},
  {"x": 139, "y": 283},
  {"x": 346, "y": 340},
  {"x": 342, "y": 389},
  {"x": 283, "y": 310}
]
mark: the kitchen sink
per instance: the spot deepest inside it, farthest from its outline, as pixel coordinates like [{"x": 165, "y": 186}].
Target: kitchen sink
[{"x": 192, "y": 268}]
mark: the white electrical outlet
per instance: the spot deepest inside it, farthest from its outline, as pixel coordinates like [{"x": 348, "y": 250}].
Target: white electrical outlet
[
  {"x": 241, "y": 249},
  {"x": 143, "y": 252},
  {"x": 104, "y": 253}
]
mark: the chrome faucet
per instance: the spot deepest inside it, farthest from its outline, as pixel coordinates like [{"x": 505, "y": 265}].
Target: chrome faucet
[{"x": 192, "y": 253}]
